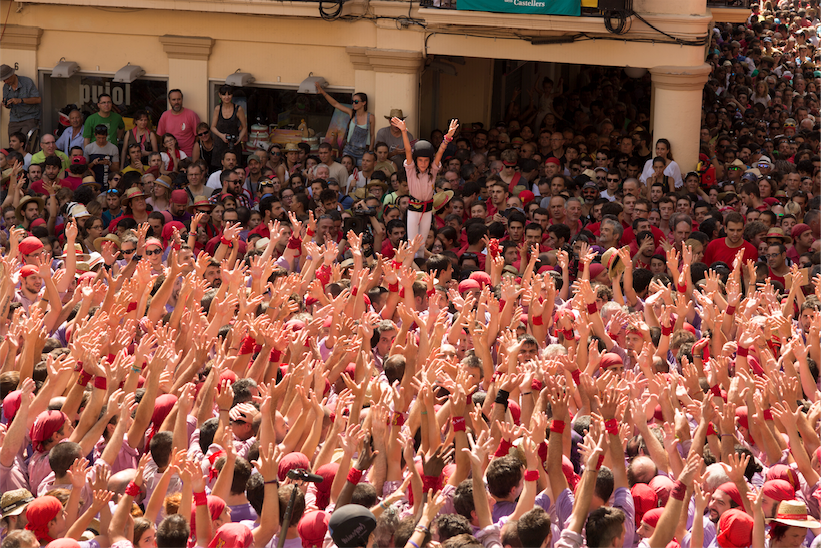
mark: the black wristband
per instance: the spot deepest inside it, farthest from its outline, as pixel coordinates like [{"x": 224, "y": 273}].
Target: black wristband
[
  {"x": 137, "y": 258},
  {"x": 502, "y": 397}
]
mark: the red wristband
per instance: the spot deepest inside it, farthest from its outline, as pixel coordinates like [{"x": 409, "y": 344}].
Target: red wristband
[
  {"x": 592, "y": 308},
  {"x": 666, "y": 331},
  {"x": 248, "y": 344},
  {"x": 538, "y": 320},
  {"x": 294, "y": 243},
  {"x": 532, "y": 475},
  {"x": 393, "y": 288},
  {"x": 354, "y": 291},
  {"x": 396, "y": 264},
  {"x": 431, "y": 292},
  {"x": 78, "y": 366},
  {"x": 132, "y": 490},
  {"x": 275, "y": 356},
  {"x": 730, "y": 310},
  {"x": 742, "y": 352},
  {"x": 309, "y": 232},
  {"x": 716, "y": 390},
  {"x": 131, "y": 307},
  {"x": 354, "y": 476},
  {"x": 600, "y": 462},
  {"x": 225, "y": 241},
  {"x": 458, "y": 424},
  {"x": 101, "y": 383},
  {"x": 398, "y": 419},
  {"x": 681, "y": 288},
  {"x": 611, "y": 427},
  {"x": 200, "y": 499},
  {"x": 84, "y": 378},
  {"x": 536, "y": 384},
  {"x": 711, "y": 429},
  {"x": 577, "y": 376},
  {"x": 768, "y": 415},
  {"x": 557, "y": 426},
  {"x": 504, "y": 449},
  {"x": 679, "y": 490},
  {"x": 111, "y": 358},
  {"x": 568, "y": 334},
  {"x": 430, "y": 483}
]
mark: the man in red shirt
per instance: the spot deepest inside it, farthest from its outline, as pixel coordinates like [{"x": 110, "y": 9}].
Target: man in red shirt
[{"x": 725, "y": 249}]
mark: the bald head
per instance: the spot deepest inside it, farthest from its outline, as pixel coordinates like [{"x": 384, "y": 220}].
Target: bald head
[
  {"x": 119, "y": 481},
  {"x": 641, "y": 470}
]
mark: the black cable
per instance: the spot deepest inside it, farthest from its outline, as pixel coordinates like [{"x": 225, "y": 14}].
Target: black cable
[
  {"x": 621, "y": 18},
  {"x": 330, "y": 15}
]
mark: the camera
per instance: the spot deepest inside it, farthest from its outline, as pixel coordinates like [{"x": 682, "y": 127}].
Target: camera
[
  {"x": 364, "y": 212},
  {"x": 232, "y": 139}
]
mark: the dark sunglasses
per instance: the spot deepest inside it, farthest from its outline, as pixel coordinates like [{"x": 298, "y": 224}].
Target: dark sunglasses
[
  {"x": 153, "y": 252},
  {"x": 204, "y": 133},
  {"x": 356, "y": 101},
  {"x": 127, "y": 251}
]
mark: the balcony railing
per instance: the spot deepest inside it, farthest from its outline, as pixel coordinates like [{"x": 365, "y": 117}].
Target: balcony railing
[{"x": 741, "y": 4}]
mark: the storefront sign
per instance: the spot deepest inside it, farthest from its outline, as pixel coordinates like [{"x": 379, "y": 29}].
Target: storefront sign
[
  {"x": 120, "y": 93},
  {"x": 541, "y": 7}
]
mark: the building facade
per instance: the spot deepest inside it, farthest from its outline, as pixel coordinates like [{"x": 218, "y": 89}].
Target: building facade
[{"x": 383, "y": 48}]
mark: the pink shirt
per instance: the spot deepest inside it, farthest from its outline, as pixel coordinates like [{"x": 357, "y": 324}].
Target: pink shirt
[
  {"x": 183, "y": 126},
  {"x": 421, "y": 185},
  {"x": 128, "y": 457},
  {"x": 13, "y": 477},
  {"x": 39, "y": 469}
]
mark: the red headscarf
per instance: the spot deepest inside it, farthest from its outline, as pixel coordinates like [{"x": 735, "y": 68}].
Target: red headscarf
[
  {"x": 735, "y": 529},
  {"x": 731, "y": 491},
  {"x": 651, "y": 517},
  {"x": 46, "y": 425},
  {"x": 232, "y": 535},
  {"x": 644, "y": 499},
  {"x": 216, "y": 506},
  {"x": 162, "y": 407},
  {"x": 610, "y": 359},
  {"x": 784, "y": 472},
  {"x": 292, "y": 461},
  {"x": 662, "y": 485},
  {"x": 312, "y": 528},
  {"x": 39, "y": 513},
  {"x": 778, "y": 490},
  {"x": 323, "y": 489},
  {"x": 11, "y": 403}
]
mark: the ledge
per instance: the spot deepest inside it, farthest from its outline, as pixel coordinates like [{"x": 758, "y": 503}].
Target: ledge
[
  {"x": 22, "y": 38},
  {"x": 187, "y": 47},
  {"x": 245, "y": 7},
  {"x": 680, "y": 78}
]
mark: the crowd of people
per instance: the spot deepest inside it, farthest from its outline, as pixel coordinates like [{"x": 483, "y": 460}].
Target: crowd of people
[{"x": 541, "y": 334}]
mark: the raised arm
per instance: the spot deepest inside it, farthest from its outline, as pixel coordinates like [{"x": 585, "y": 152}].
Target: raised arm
[{"x": 333, "y": 102}]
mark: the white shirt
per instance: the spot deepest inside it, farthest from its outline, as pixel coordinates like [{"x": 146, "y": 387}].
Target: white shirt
[{"x": 214, "y": 181}]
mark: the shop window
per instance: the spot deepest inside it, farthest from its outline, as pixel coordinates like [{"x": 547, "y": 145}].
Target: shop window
[
  {"x": 84, "y": 91},
  {"x": 284, "y": 108}
]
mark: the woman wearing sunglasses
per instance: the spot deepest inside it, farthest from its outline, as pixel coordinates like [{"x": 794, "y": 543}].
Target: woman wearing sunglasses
[
  {"x": 204, "y": 148},
  {"x": 361, "y": 133},
  {"x": 142, "y": 134},
  {"x": 228, "y": 123}
]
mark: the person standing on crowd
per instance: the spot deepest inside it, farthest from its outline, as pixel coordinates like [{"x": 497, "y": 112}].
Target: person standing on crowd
[
  {"x": 421, "y": 166},
  {"x": 180, "y": 122},
  {"x": 22, "y": 98}
]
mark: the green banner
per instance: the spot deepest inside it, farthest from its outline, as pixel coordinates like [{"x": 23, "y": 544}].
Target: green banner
[{"x": 542, "y": 7}]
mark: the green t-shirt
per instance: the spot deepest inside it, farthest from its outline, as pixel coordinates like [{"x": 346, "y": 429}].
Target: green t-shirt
[{"x": 114, "y": 122}]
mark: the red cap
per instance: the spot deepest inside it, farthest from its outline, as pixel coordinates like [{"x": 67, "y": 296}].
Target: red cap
[
  {"x": 526, "y": 196},
  {"x": 731, "y": 491},
  {"x": 39, "y": 221},
  {"x": 741, "y": 415},
  {"x": 467, "y": 285},
  {"x": 778, "y": 490},
  {"x": 312, "y": 528},
  {"x": 799, "y": 229},
  {"x": 482, "y": 277},
  {"x": 179, "y": 197},
  {"x": 553, "y": 160},
  {"x": 79, "y": 161}
]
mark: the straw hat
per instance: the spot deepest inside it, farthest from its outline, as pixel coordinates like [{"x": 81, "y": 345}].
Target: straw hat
[
  {"x": 13, "y": 503},
  {"x": 78, "y": 211},
  {"x": 78, "y": 252},
  {"x": 290, "y": 147},
  {"x": 377, "y": 182},
  {"x": 22, "y": 205},
  {"x": 441, "y": 199},
  {"x": 200, "y": 201},
  {"x": 89, "y": 180},
  {"x": 164, "y": 181},
  {"x": 130, "y": 194},
  {"x": 98, "y": 242},
  {"x": 794, "y": 513},
  {"x": 611, "y": 260},
  {"x": 776, "y": 232},
  {"x": 395, "y": 113}
]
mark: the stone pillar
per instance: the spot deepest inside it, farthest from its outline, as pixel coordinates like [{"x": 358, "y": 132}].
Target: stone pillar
[
  {"x": 397, "y": 84},
  {"x": 188, "y": 70},
  {"x": 676, "y": 110},
  {"x": 364, "y": 79},
  {"x": 19, "y": 50}
]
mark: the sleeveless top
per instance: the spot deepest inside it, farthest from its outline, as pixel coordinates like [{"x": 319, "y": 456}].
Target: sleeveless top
[{"x": 145, "y": 142}]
